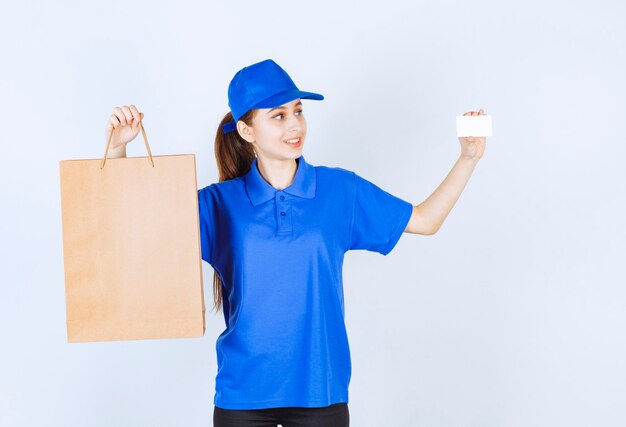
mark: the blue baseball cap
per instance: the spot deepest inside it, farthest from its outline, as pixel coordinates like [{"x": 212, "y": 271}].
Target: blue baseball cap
[{"x": 261, "y": 85}]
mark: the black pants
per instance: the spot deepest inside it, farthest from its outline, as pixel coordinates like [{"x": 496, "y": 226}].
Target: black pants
[{"x": 336, "y": 415}]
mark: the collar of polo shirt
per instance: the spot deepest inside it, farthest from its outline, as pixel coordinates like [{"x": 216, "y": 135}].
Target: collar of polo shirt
[{"x": 260, "y": 191}]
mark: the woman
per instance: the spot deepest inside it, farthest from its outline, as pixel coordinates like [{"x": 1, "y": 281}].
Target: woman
[{"x": 275, "y": 229}]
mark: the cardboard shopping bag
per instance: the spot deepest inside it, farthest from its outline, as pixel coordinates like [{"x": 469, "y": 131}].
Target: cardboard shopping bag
[{"x": 131, "y": 248}]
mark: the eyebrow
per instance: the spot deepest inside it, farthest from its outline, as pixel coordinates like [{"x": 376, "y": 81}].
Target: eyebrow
[{"x": 282, "y": 106}]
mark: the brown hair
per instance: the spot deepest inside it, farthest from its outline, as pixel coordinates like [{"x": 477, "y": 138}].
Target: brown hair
[{"x": 234, "y": 156}]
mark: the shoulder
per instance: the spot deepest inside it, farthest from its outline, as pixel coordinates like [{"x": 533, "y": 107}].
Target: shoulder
[
  {"x": 224, "y": 188},
  {"x": 335, "y": 175},
  {"x": 339, "y": 177}
]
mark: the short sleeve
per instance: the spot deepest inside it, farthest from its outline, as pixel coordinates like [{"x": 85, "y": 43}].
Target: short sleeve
[
  {"x": 207, "y": 225},
  {"x": 378, "y": 218}
]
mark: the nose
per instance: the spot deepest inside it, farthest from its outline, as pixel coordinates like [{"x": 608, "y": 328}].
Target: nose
[{"x": 294, "y": 123}]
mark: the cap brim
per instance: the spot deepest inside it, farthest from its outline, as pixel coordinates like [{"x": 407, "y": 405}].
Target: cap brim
[{"x": 285, "y": 97}]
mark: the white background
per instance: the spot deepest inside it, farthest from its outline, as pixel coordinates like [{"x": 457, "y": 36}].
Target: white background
[{"x": 513, "y": 314}]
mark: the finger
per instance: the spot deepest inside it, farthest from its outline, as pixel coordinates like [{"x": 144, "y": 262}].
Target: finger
[
  {"x": 114, "y": 121},
  {"x": 135, "y": 117},
  {"x": 128, "y": 114},
  {"x": 135, "y": 113},
  {"x": 112, "y": 124},
  {"x": 120, "y": 116}
]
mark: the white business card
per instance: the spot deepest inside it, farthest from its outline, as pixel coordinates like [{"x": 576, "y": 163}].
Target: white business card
[{"x": 473, "y": 125}]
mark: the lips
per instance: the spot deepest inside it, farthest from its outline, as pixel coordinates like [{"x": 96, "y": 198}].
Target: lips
[{"x": 293, "y": 141}]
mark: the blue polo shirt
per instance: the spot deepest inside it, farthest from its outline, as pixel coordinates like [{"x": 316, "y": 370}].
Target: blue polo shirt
[{"x": 279, "y": 254}]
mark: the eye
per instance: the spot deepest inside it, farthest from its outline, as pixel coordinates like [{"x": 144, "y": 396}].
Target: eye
[{"x": 281, "y": 114}]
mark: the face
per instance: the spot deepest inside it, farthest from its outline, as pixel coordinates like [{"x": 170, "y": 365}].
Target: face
[{"x": 273, "y": 127}]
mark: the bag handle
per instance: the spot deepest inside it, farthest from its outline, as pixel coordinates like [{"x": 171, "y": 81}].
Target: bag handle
[{"x": 145, "y": 139}]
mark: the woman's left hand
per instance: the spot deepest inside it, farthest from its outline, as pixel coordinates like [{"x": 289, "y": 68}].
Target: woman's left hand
[{"x": 473, "y": 147}]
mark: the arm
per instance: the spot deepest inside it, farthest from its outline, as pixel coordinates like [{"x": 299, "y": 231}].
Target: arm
[{"x": 429, "y": 215}]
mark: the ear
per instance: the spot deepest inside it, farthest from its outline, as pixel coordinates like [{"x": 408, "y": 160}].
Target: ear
[{"x": 245, "y": 131}]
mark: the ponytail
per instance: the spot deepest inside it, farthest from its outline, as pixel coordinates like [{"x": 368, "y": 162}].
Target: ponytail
[{"x": 234, "y": 156}]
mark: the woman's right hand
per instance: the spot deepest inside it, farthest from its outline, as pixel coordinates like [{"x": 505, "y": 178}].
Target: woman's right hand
[{"x": 124, "y": 123}]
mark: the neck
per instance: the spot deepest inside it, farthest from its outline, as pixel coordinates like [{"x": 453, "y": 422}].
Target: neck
[{"x": 278, "y": 173}]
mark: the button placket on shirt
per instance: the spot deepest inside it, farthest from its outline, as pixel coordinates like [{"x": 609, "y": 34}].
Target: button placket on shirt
[{"x": 283, "y": 212}]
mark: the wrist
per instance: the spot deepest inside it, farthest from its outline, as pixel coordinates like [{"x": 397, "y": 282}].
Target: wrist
[
  {"x": 468, "y": 159},
  {"x": 117, "y": 152}
]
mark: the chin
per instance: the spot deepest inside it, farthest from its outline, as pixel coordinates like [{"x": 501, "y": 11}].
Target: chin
[{"x": 292, "y": 155}]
